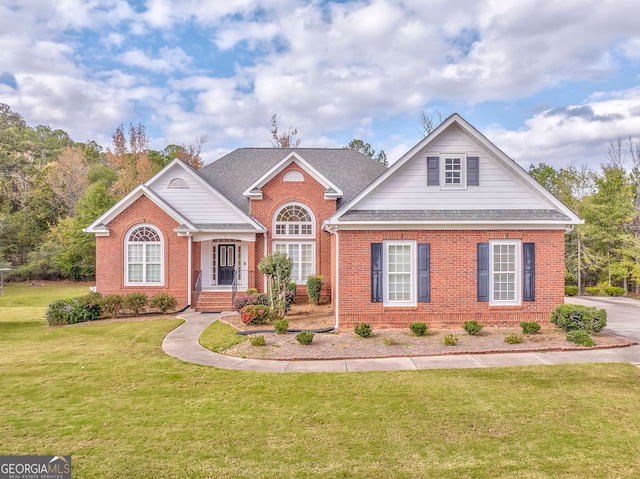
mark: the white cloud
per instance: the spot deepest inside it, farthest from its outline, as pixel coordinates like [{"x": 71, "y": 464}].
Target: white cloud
[{"x": 169, "y": 59}]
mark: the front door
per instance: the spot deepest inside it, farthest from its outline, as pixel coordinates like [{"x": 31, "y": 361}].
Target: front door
[{"x": 226, "y": 263}]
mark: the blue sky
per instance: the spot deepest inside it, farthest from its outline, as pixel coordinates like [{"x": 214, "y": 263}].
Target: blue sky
[{"x": 546, "y": 81}]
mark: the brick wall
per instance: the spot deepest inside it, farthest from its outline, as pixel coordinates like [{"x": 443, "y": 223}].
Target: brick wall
[
  {"x": 110, "y": 253},
  {"x": 310, "y": 193},
  {"x": 453, "y": 275}
]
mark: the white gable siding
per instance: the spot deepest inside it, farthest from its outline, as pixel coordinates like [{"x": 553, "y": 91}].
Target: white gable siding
[
  {"x": 407, "y": 188},
  {"x": 197, "y": 203}
]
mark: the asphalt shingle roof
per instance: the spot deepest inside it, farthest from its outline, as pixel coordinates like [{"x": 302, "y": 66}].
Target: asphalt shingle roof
[
  {"x": 454, "y": 215},
  {"x": 349, "y": 170}
]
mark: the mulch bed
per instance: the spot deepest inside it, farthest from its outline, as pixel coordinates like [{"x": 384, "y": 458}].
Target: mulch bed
[{"x": 397, "y": 342}]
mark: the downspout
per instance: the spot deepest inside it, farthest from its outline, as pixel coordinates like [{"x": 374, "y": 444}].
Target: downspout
[
  {"x": 332, "y": 229},
  {"x": 264, "y": 278},
  {"x": 190, "y": 266}
]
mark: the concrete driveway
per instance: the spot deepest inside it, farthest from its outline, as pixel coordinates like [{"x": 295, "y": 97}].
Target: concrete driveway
[{"x": 623, "y": 314}]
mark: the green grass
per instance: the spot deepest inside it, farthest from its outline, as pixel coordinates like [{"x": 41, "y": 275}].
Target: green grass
[
  {"x": 106, "y": 394},
  {"x": 219, "y": 337}
]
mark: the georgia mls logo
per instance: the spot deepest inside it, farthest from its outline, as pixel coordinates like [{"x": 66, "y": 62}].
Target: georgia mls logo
[{"x": 35, "y": 467}]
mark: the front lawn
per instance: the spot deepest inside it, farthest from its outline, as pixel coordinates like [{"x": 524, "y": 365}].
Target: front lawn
[{"x": 106, "y": 394}]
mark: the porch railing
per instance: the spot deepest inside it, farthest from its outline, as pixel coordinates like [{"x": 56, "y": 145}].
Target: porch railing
[
  {"x": 198, "y": 287},
  {"x": 241, "y": 278}
]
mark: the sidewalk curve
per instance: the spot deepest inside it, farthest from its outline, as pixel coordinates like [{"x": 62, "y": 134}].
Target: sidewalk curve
[{"x": 182, "y": 343}]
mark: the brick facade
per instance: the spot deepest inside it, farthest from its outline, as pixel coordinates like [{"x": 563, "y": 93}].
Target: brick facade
[
  {"x": 110, "y": 253},
  {"x": 275, "y": 194},
  {"x": 453, "y": 279}
]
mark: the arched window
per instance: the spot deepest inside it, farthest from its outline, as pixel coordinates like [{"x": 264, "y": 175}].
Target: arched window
[
  {"x": 294, "y": 220},
  {"x": 144, "y": 256},
  {"x": 295, "y": 224}
]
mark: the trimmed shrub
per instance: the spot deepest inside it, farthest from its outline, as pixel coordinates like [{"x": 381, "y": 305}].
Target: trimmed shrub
[
  {"x": 419, "y": 328},
  {"x": 281, "y": 326},
  {"x": 450, "y": 340},
  {"x": 135, "y": 302},
  {"x": 68, "y": 311},
  {"x": 250, "y": 300},
  {"x": 513, "y": 338},
  {"x": 112, "y": 304},
  {"x": 530, "y": 327},
  {"x": 389, "y": 341},
  {"x": 592, "y": 291},
  {"x": 472, "y": 327},
  {"x": 257, "y": 341},
  {"x": 571, "y": 317},
  {"x": 304, "y": 337},
  {"x": 363, "y": 330},
  {"x": 92, "y": 303},
  {"x": 570, "y": 290},
  {"x": 580, "y": 337},
  {"x": 252, "y": 291},
  {"x": 614, "y": 291},
  {"x": 255, "y": 314},
  {"x": 314, "y": 285},
  {"x": 164, "y": 302}
]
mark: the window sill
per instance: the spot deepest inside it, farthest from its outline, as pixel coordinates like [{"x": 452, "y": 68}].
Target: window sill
[
  {"x": 505, "y": 306},
  {"x": 388, "y": 307}
]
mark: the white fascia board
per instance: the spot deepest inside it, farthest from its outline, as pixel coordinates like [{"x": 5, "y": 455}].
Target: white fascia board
[
  {"x": 194, "y": 174},
  {"x": 462, "y": 225},
  {"x": 99, "y": 225},
  {"x": 292, "y": 157}
]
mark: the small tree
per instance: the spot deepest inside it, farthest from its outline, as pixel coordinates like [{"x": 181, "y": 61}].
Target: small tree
[{"x": 277, "y": 268}]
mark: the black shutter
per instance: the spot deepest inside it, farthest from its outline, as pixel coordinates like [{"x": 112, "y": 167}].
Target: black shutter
[
  {"x": 483, "y": 271},
  {"x": 529, "y": 267},
  {"x": 423, "y": 273},
  {"x": 376, "y": 272},
  {"x": 433, "y": 172},
  {"x": 473, "y": 171}
]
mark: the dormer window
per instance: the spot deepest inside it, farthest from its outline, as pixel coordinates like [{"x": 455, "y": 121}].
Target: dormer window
[
  {"x": 453, "y": 171},
  {"x": 293, "y": 176},
  {"x": 178, "y": 183}
]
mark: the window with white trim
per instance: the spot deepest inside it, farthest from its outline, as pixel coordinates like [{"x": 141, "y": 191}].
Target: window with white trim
[
  {"x": 294, "y": 220},
  {"x": 505, "y": 282},
  {"x": 399, "y": 273},
  {"x": 453, "y": 170},
  {"x": 303, "y": 255},
  {"x": 144, "y": 256}
]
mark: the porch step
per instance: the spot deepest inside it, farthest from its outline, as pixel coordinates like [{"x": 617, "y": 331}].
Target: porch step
[{"x": 214, "y": 301}]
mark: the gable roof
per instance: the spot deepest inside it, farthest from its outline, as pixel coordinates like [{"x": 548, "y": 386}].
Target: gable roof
[
  {"x": 558, "y": 214},
  {"x": 233, "y": 174},
  {"x": 248, "y": 224}
]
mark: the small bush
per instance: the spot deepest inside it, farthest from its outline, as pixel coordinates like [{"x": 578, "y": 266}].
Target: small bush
[
  {"x": 70, "y": 311},
  {"x": 450, "y": 340},
  {"x": 614, "y": 291},
  {"x": 92, "y": 303},
  {"x": 570, "y": 290},
  {"x": 472, "y": 327},
  {"x": 314, "y": 285},
  {"x": 112, "y": 304},
  {"x": 250, "y": 300},
  {"x": 419, "y": 328},
  {"x": 304, "y": 337},
  {"x": 580, "y": 337},
  {"x": 592, "y": 291},
  {"x": 281, "y": 326},
  {"x": 252, "y": 291},
  {"x": 513, "y": 338},
  {"x": 256, "y": 314},
  {"x": 363, "y": 330},
  {"x": 289, "y": 298},
  {"x": 571, "y": 317},
  {"x": 530, "y": 327},
  {"x": 136, "y": 302},
  {"x": 257, "y": 341},
  {"x": 389, "y": 341},
  {"x": 163, "y": 302}
]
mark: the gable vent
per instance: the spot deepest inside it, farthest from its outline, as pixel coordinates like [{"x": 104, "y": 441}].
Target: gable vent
[
  {"x": 293, "y": 176},
  {"x": 178, "y": 183}
]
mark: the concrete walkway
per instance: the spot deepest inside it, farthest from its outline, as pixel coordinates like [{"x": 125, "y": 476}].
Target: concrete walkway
[{"x": 182, "y": 343}]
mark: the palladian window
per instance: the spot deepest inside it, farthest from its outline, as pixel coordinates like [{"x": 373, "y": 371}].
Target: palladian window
[
  {"x": 295, "y": 222},
  {"x": 143, "y": 256}
]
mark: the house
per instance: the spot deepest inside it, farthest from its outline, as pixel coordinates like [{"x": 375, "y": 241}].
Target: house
[{"x": 454, "y": 230}]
